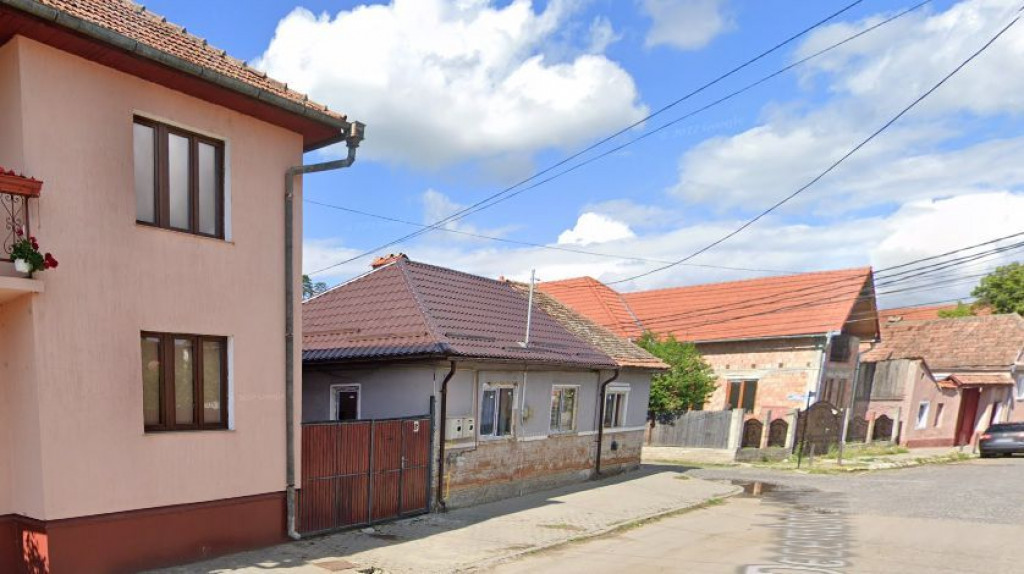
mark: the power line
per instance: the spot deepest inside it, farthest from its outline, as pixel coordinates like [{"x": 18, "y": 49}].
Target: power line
[
  {"x": 480, "y": 204},
  {"x": 537, "y": 245},
  {"x": 831, "y": 167}
]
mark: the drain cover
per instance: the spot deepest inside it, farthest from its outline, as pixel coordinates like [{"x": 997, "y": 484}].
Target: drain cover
[{"x": 336, "y": 565}]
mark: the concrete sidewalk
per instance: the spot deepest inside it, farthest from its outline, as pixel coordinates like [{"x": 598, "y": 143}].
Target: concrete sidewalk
[{"x": 479, "y": 537}]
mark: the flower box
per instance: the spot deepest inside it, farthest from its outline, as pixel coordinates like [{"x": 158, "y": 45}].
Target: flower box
[{"x": 16, "y": 184}]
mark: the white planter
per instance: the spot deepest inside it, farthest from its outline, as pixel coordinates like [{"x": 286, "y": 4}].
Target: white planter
[{"x": 22, "y": 266}]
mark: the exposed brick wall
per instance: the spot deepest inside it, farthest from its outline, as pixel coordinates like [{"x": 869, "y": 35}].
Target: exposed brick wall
[
  {"x": 503, "y": 468},
  {"x": 783, "y": 367}
]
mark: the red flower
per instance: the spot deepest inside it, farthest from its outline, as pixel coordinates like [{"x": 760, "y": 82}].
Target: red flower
[
  {"x": 18, "y": 231},
  {"x": 35, "y": 245},
  {"x": 49, "y": 262}
]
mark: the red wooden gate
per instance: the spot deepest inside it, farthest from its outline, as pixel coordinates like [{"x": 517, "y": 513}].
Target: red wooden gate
[{"x": 361, "y": 472}]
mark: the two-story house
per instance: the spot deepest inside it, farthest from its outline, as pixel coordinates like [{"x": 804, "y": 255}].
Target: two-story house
[{"x": 142, "y": 396}]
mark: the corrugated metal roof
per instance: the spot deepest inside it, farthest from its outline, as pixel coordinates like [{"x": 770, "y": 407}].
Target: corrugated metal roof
[{"x": 409, "y": 309}]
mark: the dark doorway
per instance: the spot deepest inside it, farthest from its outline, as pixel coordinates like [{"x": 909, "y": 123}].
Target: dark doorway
[
  {"x": 968, "y": 414},
  {"x": 346, "y": 401}
]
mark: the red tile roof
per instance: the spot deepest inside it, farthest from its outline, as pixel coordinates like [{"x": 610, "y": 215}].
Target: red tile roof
[
  {"x": 980, "y": 380},
  {"x": 408, "y": 309},
  {"x": 136, "y": 24},
  {"x": 596, "y": 301},
  {"x": 804, "y": 304},
  {"x": 992, "y": 341},
  {"x": 625, "y": 353}
]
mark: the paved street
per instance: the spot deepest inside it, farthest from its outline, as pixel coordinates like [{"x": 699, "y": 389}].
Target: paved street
[{"x": 966, "y": 517}]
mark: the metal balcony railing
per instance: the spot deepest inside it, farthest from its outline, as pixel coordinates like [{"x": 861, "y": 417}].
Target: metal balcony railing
[{"x": 13, "y": 216}]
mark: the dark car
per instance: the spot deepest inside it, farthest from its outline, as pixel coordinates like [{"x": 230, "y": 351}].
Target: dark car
[{"x": 1004, "y": 439}]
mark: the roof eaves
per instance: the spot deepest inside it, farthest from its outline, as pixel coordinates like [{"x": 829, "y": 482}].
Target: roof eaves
[{"x": 118, "y": 40}]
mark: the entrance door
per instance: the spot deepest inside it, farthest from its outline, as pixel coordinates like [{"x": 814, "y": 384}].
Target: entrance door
[{"x": 968, "y": 414}]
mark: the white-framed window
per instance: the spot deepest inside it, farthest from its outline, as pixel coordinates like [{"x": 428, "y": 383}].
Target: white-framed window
[
  {"x": 1020, "y": 386},
  {"x": 922, "y": 415},
  {"x": 563, "y": 408},
  {"x": 615, "y": 400},
  {"x": 496, "y": 407},
  {"x": 345, "y": 403}
]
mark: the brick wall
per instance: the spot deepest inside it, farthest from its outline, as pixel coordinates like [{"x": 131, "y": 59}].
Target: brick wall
[
  {"x": 782, "y": 367},
  {"x": 503, "y": 468}
]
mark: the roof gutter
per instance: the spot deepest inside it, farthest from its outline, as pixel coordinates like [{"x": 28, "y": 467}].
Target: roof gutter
[
  {"x": 355, "y": 136},
  {"x": 117, "y": 40},
  {"x": 600, "y": 421}
]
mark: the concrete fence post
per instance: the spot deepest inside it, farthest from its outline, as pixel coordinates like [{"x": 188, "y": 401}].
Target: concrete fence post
[
  {"x": 791, "y": 419},
  {"x": 896, "y": 422},
  {"x": 871, "y": 429},
  {"x": 764, "y": 430},
  {"x": 735, "y": 430}
]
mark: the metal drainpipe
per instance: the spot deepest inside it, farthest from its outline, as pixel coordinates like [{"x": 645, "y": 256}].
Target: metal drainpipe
[
  {"x": 441, "y": 436},
  {"x": 600, "y": 420},
  {"x": 352, "y": 139}
]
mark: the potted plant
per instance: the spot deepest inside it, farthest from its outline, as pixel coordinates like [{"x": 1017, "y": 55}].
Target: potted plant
[{"x": 27, "y": 257}]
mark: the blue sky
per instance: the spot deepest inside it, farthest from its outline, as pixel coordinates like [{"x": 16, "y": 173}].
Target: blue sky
[{"x": 462, "y": 98}]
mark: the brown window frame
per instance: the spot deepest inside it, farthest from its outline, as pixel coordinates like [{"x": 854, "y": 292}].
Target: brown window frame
[
  {"x": 166, "y": 392},
  {"x": 742, "y": 391},
  {"x": 161, "y": 178}
]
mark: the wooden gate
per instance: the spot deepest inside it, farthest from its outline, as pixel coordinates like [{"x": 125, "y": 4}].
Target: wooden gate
[{"x": 361, "y": 472}]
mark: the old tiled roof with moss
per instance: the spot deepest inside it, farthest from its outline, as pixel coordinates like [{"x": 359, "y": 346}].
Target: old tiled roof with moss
[
  {"x": 985, "y": 342},
  {"x": 624, "y": 352}
]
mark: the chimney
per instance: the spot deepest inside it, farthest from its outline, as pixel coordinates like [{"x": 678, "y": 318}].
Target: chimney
[{"x": 391, "y": 258}]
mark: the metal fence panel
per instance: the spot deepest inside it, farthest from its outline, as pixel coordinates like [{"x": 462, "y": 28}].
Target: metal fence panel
[
  {"x": 360, "y": 472},
  {"x": 694, "y": 429}
]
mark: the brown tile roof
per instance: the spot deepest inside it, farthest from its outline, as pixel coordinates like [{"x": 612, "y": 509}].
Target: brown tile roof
[
  {"x": 137, "y": 24},
  {"x": 804, "y": 304},
  {"x": 596, "y": 301},
  {"x": 980, "y": 380},
  {"x": 625, "y": 353},
  {"x": 992, "y": 341},
  {"x": 410, "y": 309},
  {"x": 922, "y": 313}
]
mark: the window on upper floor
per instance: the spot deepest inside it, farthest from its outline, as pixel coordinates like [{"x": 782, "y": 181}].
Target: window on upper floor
[
  {"x": 179, "y": 179},
  {"x": 184, "y": 382}
]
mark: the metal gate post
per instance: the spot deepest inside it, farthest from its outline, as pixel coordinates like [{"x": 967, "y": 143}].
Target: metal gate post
[
  {"x": 401, "y": 472},
  {"x": 369, "y": 474},
  {"x": 430, "y": 451}
]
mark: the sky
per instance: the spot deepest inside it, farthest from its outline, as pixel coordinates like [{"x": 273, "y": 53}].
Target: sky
[{"x": 464, "y": 98}]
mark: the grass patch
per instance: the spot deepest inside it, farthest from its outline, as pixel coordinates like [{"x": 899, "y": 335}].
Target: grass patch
[
  {"x": 681, "y": 477},
  {"x": 868, "y": 450}
]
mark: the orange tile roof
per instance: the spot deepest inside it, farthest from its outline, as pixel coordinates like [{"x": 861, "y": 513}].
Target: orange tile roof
[
  {"x": 596, "y": 301},
  {"x": 980, "y": 380},
  {"x": 804, "y": 304},
  {"x": 990, "y": 341}
]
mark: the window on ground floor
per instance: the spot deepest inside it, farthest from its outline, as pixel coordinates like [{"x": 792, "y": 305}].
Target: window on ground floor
[
  {"x": 184, "y": 382},
  {"x": 938, "y": 413},
  {"x": 742, "y": 394},
  {"x": 922, "y": 415},
  {"x": 496, "y": 410},
  {"x": 615, "y": 407},
  {"x": 563, "y": 408}
]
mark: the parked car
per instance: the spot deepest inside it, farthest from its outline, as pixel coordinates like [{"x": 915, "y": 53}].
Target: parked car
[{"x": 1004, "y": 439}]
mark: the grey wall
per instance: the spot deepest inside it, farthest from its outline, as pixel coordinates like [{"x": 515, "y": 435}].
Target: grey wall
[{"x": 395, "y": 390}]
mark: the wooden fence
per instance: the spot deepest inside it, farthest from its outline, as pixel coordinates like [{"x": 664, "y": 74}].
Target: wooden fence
[{"x": 694, "y": 429}]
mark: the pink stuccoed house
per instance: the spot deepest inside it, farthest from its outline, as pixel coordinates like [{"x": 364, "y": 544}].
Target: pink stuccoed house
[{"x": 144, "y": 384}]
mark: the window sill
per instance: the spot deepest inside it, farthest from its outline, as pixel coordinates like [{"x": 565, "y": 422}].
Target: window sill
[
  {"x": 178, "y": 232},
  {"x": 186, "y": 431}
]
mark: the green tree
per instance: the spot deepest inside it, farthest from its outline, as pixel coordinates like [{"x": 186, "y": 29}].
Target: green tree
[
  {"x": 961, "y": 310},
  {"x": 1003, "y": 289},
  {"x": 309, "y": 289},
  {"x": 686, "y": 385}
]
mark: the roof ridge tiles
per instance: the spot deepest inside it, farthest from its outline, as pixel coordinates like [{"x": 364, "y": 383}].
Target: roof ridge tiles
[{"x": 432, "y": 327}]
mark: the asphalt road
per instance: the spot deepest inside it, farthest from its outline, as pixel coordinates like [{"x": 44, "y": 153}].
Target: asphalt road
[{"x": 965, "y": 517}]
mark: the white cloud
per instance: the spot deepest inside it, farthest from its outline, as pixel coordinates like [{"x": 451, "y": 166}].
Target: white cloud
[
  {"x": 438, "y": 82},
  {"x": 602, "y": 35},
  {"x": 928, "y": 154},
  {"x": 594, "y": 228},
  {"x": 686, "y": 24},
  {"x": 631, "y": 213}
]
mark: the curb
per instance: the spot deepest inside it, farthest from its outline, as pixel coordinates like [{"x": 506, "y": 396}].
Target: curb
[{"x": 492, "y": 562}]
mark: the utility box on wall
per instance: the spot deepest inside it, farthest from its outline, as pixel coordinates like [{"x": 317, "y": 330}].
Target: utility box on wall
[{"x": 458, "y": 428}]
